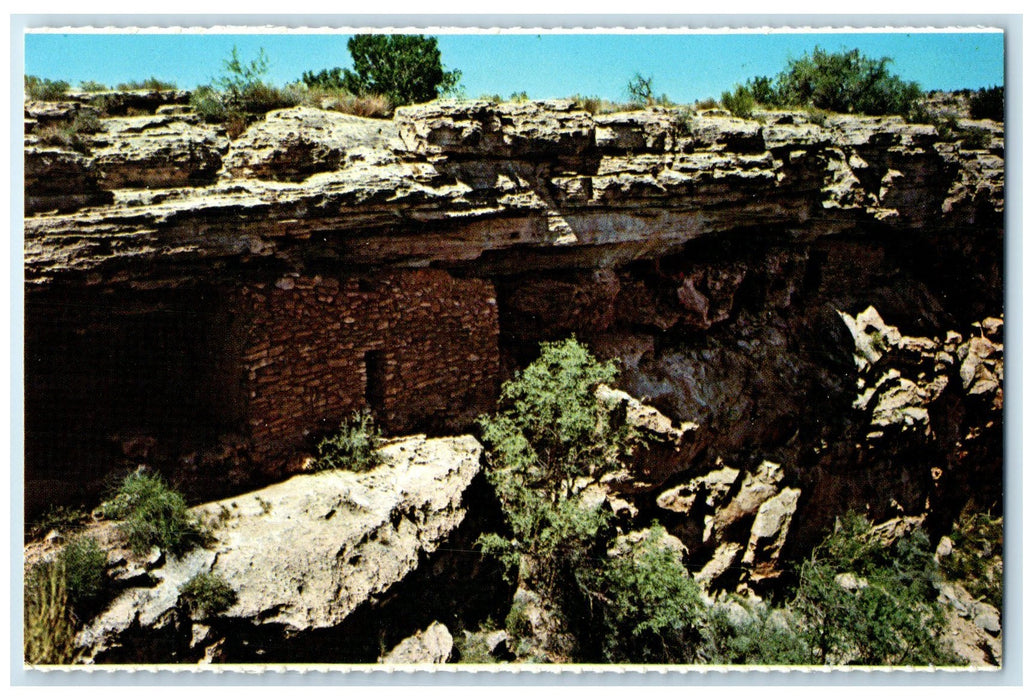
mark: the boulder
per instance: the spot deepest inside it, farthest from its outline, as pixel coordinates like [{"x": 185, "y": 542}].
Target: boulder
[
  {"x": 663, "y": 450},
  {"x": 758, "y": 485},
  {"x": 768, "y": 535},
  {"x": 430, "y": 646},
  {"x": 305, "y": 553}
]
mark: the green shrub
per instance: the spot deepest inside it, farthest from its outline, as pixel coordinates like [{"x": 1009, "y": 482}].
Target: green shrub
[
  {"x": 649, "y": 605},
  {"x": 154, "y": 515},
  {"x": 888, "y": 616},
  {"x": 208, "y": 103},
  {"x": 739, "y": 102},
  {"x": 546, "y": 436},
  {"x": 708, "y": 103},
  {"x": 976, "y": 559},
  {"x": 352, "y": 447},
  {"x": 847, "y": 82},
  {"x": 326, "y": 79},
  {"x": 152, "y": 83},
  {"x": 404, "y": 68},
  {"x": 49, "y": 631},
  {"x": 759, "y": 636},
  {"x": 987, "y": 103},
  {"x": 207, "y": 594},
  {"x": 762, "y": 89},
  {"x": 239, "y": 78},
  {"x": 843, "y": 81},
  {"x": 92, "y": 86},
  {"x": 640, "y": 90},
  {"x": 37, "y": 88},
  {"x": 84, "y": 565}
]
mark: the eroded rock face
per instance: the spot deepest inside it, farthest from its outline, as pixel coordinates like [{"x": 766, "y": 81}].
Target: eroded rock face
[
  {"x": 292, "y": 144},
  {"x": 514, "y": 186},
  {"x": 302, "y": 554}
]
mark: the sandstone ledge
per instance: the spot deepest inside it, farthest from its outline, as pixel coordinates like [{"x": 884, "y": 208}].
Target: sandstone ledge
[{"x": 460, "y": 183}]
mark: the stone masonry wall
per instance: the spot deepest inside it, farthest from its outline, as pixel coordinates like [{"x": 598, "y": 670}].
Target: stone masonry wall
[{"x": 418, "y": 347}]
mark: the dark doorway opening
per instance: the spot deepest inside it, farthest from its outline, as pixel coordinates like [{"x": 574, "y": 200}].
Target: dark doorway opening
[{"x": 376, "y": 380}]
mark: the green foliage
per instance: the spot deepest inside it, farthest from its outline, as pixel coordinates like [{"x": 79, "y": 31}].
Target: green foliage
[
  {"x": 207, "y": 594},
  {"x": 739, "y": 102},
  {"x": 326, "y": 79},
  {"x": 49, "y": 631},
  {"x": 758, "y": 636},
  {"x": 352, "y": 447},
  {"x": 987, "y": 103},
  {"x": 762, "y": 89},
  {"x": 92, "y": 86},
  {"x": 208, "y": 103},
  {"x": 152, "y": 83},
  {"x": 976, "y": 560},
  {"x": 889, "y": 616},
  {"x": 649, "y": 605},
  {"x": 845, "y": 81},
  {"x": 640, "y": 90},
  {"x": 548, "y": 430},
  {"x": 84, "y": 565},
  {"x": 708, "y": 103},
  {"x": 37, "y": 88},
  {"x": 240, "y": 93},
  {"x": 154, "y": 515},
  {"x": 239, "y": 78},
  {"x": 405, "y": 68}
]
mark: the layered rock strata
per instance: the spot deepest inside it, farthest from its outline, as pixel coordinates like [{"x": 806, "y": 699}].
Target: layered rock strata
[{"x": 264, "y": 287}]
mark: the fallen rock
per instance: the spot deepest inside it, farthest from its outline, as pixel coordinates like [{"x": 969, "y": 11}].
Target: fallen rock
[
  {"x": 430, "y": 646},
  {"x": 758, "y": 485},
  {"x": 303, "y": 554},
  {"x": 664, "y": 447},
  {"x": 768, "y": 535}
]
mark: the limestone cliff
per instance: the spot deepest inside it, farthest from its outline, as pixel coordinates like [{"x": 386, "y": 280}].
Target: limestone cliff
[{"x": 212, "y": 306}]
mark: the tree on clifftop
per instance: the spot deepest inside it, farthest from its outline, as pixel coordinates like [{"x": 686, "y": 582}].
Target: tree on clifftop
[{"x": 405, "y": 68}]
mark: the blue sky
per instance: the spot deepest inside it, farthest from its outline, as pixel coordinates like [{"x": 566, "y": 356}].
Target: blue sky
[{"x": 686, "y": 67}]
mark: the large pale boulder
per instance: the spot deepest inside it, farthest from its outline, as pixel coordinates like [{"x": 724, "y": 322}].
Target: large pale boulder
[
  {"x": 768, "y": 535},
  {"x": 305, "y": 553},
  {"x": 430, "y": 646}
]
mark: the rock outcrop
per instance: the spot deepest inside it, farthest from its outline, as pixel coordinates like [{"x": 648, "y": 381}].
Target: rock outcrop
[
  {"x": 534, "y": 185},
  {"x": 214, "y": 306},
  {"x": 301, "y": 555}
]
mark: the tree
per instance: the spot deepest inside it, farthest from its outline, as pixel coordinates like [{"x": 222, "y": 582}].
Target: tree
[
  {"x": 405, "y": 68},
  {"x": 845, "y": 81}
]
